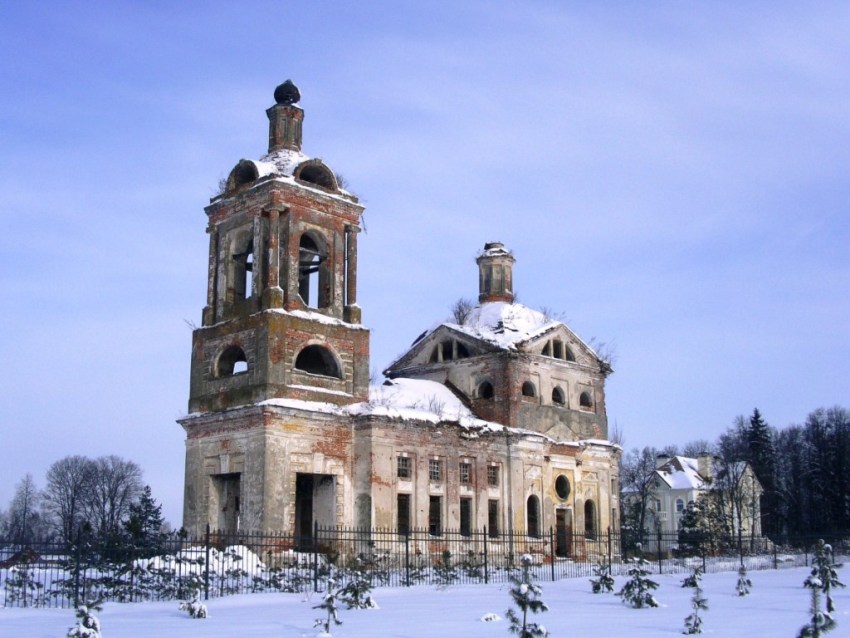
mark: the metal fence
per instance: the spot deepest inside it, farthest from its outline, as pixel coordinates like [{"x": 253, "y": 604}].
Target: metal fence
[{"x": 220, "y": 564}]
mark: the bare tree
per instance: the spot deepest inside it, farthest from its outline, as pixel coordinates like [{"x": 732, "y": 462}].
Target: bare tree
[
  {"x": 460, "y": 310},
  {"x": 116, "y": 484},
  {"x": 68, "y": 483},
  {"x": 26, "y": 524},
  {"x": 637, "y": 481}
]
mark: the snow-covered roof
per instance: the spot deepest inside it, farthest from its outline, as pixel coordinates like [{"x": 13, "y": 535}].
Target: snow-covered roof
[
  {"x": 414, "y": 400},
  {"x": 504, "y": 324},
  {"x": 682, "y": 473}
]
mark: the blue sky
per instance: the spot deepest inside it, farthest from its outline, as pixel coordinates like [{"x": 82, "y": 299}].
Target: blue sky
[{"x": 673, "y": 177}]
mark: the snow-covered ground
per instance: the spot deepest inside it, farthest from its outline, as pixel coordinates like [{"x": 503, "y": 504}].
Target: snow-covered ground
[{"x": 777, "y": 606}]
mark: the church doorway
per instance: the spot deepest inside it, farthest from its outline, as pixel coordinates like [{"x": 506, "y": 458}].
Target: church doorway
[
  {"x": 315, "y": 504},
  {"x": 563, "y": 532},
  {"x": 226, "y": 489}
]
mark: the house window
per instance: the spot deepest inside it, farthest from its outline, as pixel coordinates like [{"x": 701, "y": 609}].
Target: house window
[
  {"x": 680, "y": 505},
  {"x": 493, "y": 518},
  {"x": 465, "y": 516},
  {"x": 493, "y": 475},
  {"x": 558, "y": 349},
  {"x": 585, "y": 401},
  {"x": 403, "y": 502},
  {"x": 435, "y": 470},
  {"x": 403, "y": 467},
  {"x": 465, "y": 473},
  {"x": 528, "y": 389},
  {"x": 435, "y": 512}
]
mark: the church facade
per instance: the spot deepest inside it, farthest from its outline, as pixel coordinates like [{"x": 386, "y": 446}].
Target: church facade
[{"x": 495, "y": 419}]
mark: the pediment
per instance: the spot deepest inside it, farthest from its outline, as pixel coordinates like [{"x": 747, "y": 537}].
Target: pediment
[
  {"x": 439, "y": 346},
  {"x": 560, "y": 343}
]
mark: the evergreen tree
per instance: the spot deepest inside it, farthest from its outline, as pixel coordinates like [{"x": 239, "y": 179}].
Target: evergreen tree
[
  {"x": 637, "y": 592},
  {"x": 145, "y": 524},
  {"x": 761, "y": 455},
  {"x": 744, "y": 582},
  {"x": 329, "y": 605},
  {"x": 88, "y": 624},
  {"x": 445, "y": 571},
  {"x": 822, "y": 579},
  {"x": 356, "y": 593},
  {"x": 693, "y": 623},
  {"x": 603, "y": 582},
  {"x": 193, "y": 606},
  {"x": 526, "y": 596}
]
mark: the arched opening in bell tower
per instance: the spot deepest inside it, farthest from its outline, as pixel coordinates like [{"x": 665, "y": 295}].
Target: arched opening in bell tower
[{"x": 313, "y": 275}]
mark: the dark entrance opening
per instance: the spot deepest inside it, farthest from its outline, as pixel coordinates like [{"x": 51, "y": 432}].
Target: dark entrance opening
[
  {"x": 315, "y": 504},
  {"x": 563, "y": 533},
  {"x": 226, "y": 489}
]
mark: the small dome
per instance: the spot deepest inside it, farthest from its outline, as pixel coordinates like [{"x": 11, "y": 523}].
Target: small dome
[{"x": 287, "y": 93}]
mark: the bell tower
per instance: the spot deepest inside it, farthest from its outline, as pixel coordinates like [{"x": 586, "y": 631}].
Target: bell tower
[{"x": 281, "y": 319}]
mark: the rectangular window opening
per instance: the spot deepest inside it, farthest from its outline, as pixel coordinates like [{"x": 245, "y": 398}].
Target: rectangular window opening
[
  {"x": 435, "y": 516},
  {"x": 465, "y": 516}
]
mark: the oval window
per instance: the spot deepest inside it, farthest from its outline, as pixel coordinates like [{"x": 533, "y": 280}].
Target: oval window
[{"x": 562, "y": 487}]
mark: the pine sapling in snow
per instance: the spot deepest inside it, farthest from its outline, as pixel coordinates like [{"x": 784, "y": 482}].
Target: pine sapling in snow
[
  {"x": 445, "y": 571},
  {"x": 88, "y": 625},
  {"x": 744, "y": 582},
  {"x": 329, "y": 605},
  {"x": 356, "y": 593},
  {"x": 824, "y": 570},
  {"x": 637, "y": 591},
  {"x": 693, "y": 623},
  {"x": 193, "y": 606},
  {"x": 603, "y": 582},
  {"x": 526, "y": 596},
  {"x": 820, "y": 622},
  {"x": 823, "y": 578}
]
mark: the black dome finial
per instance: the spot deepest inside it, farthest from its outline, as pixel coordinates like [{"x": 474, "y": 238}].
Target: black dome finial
[{"x": 287, "y": 93}]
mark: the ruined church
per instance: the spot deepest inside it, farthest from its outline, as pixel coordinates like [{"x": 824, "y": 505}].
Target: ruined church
[{"x": 493, "y": 420}]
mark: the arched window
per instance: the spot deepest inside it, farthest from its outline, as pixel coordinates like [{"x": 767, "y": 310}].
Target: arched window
[
  {"x": 243, "y": 272},
  {"x": 528, "y": 389},
  {"x": 558, "y": 397},
  {"x": 485, "y": 390},
  {"x": 313, "y": 272},
  {"x": 318, "y": 360},
  {"x": 585, "y": 401},
  {"x": 316, "y": 173},
  {"x": 589, "y": 519},
  {"x": 532, "y": 510},
  {"x": 230, "y": 362}
]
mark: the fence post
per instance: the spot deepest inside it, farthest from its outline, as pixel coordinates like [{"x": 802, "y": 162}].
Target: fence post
[
  {"x": 552, "y": 551},
  {"x": 486, "y": 566},
  {"x": 77, "y": 559},
  {"x": 609, "y": 549},
  {"x": 407, "y": 557},
  {"x": 207, "y": 564},
  {"x": 660, "y": 570},
  {"x": 315, "y": 556},
  {"x": 775, "y": 558}
]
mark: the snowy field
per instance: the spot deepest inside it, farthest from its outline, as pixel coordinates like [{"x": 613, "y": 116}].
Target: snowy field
[{"x": 777, "y": 606}]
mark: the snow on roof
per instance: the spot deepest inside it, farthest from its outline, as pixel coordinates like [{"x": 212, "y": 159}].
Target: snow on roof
[
  {"x": 682, "y": 473},
  {"x": 280, "y": 162},
  {"x": 412, "y": 400},
  {"x": 504, "y": 324},
  {"x": 422, "y": 400}
]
